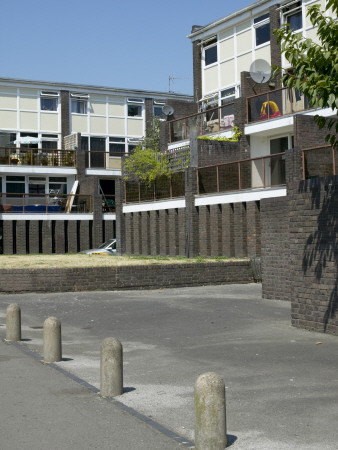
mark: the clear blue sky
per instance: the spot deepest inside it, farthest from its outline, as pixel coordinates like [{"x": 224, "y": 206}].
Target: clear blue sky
[{"x": 127, "y": 44}]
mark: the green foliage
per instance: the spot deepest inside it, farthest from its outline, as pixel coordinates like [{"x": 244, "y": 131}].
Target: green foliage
[
  {"x": 235, "y": 138},
  {"x": 315, "y": 66},
  {"x": 147, "y": 163}
]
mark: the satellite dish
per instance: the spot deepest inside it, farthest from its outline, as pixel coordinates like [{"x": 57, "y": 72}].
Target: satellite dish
[
  {"x": 260, "y": 71},
  {"x": 168, "y": 110}
]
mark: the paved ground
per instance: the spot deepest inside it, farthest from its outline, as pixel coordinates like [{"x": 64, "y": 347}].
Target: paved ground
[{"x": 282, "y": 385}]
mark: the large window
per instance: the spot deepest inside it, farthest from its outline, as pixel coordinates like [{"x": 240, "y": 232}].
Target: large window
[
  {"x": 57, "y": 185},
  {"x": 79, "y": 106},
  {"x": 134, "y": 110},
  {"x": 49, "y": 101},
  {"x": 49, "y": 104},
  {"x": 262, "y": 29},
  {"x": 37, "y": 185},
  {"x": 116, "y": 146},
  {"x": 292, "y": 14},
  {"x": 15, "y": 185},
  {"x": 210, "y": 52}
]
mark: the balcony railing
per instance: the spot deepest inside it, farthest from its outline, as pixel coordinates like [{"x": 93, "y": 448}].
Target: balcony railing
[
  {"x": 277, "y": 103},
  {"x": 253, "y": 173},
  {"x": 103, "y": 160},
  {"x": 319, "y": 162},
  {"x": 162, "y": 188},
  {"x": 206, "y": 122},
  {"x": 36, "y": 157},
  {"x": 45, "y": 203}
]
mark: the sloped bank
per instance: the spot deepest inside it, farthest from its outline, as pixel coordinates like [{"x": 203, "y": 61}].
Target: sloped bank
[{"x": 153, "y": 276}]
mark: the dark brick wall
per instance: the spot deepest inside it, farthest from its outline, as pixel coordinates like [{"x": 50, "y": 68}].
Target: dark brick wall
[
  {"x": 275, "y": 248},
  {"x": 307, "y": 134},
  {"x": 313, "y": 254},
  {"x": 51, "y": 236},
  {"x": 124, "y": 277},
  {"x": 215, "y": 152},
  {"x": 65, "y": 114}
]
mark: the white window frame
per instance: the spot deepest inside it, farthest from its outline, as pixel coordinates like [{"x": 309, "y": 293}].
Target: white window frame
[{"x": 257, "y": 25}]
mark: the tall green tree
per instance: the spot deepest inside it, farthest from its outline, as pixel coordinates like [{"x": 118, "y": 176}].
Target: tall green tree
[{"x": 315, "y": 65}]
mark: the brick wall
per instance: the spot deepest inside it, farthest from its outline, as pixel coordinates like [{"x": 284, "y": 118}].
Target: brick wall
[
  {"x": 124, "y": 277},
  {"x": 313, "y": 253},
  {"x": 51, "y": 236},
  {"x": 275, "y": 248}
]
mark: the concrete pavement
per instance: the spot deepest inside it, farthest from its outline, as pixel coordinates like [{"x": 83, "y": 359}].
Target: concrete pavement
[{"x": 282, "y": 385}]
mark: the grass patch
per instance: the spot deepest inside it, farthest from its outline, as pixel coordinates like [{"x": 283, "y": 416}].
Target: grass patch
[{"x": 83, "y": 260}]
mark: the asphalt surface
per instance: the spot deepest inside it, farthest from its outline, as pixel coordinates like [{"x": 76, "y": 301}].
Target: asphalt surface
[{"x": 281, "y": 382}]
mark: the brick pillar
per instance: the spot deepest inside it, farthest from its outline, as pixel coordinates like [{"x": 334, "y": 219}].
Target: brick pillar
[
  {"x": 129, "y": 233},
  {"x": 84, "y": 235},
  {"x": 21, "y": 237},
  {"x": 163, "y": 220},
  {"x": 65, "y": 114},
  {"x": 192, "y": 217},
  {"x": 120, "y": 217},
  {"x": 72, "y": 236},
  {"x": 216, "y": 230},
  {"x": 47, "y": 236},
  {"x": 173, "y": 237},
  {"x": 197, "y": 70},
  {"x": 33, "y": 236},
  {"x": 204, "y": 230},
  {"x": 154, "y": 233},
  {"x": 228, "y": 241},
  {"x": 109, "y": 229},
  {"x": 240, "y": 230},
  {"x": 59, "y": 236},
  {"x": 145, "y": 233},
  {"x": 253, "y": 229},
  {"x": 276, "y": 57},
  {"x": 181, "y": 231}
]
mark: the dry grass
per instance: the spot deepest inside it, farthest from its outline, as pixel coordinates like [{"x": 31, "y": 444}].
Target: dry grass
[{"x": 83, "y": 260}]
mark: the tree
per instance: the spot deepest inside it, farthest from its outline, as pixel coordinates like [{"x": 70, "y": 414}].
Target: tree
[
  {"x": 146, "y": 162},
  {"x": 315, "y": 66}
]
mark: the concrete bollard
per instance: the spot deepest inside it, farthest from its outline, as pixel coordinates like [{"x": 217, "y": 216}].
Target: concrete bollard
[
  {"x": 52, "y": 348},
  {"x": 13, "y": 323},
  {"x": 210, "y": 417},
  {"x": 111, "y": 368}
]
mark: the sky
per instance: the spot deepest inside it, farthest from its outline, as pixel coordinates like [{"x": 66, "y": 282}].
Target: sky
[{"x": 126, "y": 44}]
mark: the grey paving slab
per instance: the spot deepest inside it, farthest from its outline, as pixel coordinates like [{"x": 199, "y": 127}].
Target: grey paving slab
[{"x": 282, "y": 385}]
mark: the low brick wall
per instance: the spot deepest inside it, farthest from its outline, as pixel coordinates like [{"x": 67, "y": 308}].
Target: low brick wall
[{"x": 124, "y": 277}]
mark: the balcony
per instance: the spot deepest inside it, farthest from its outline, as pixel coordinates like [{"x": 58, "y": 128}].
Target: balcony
[
  {"x": 319, "y": 162},
  {"x": 254, "y": 173},
  {"x": 36, "y": 157},
  {"x": 274, "y": 104},
  {"x": 207, "y": 122},
  {"x": 45, "y": 203},
  {"x": 163, "y": 188}
]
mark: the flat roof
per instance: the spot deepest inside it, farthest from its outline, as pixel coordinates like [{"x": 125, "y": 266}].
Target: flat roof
[
  {"x": 89, "y": 87},
  {"x": 231, "y": 16}
]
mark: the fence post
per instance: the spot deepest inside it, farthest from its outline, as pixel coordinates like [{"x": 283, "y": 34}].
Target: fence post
[
  {"x": 111, "y": 368},
  {"x": 52, "y": 347},
  {"x": 13, "y": 323},
  {"x": 210, "y": 417}
]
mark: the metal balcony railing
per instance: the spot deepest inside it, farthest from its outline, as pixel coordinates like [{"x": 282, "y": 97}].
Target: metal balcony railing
[
  {"x": 20, "y": 156},
  {"x": 161, "y": 189},
  {"x": 45, "y": 203},
  {"x": 319, "y": 162},
  {"x": 253, "y": 173},
  {"x": 206, "y": 122},
  {"x": 277, "y": 103}
]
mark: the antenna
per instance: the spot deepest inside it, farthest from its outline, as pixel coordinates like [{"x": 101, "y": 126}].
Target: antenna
[
  {"x": 172, "y": 78},
  {"x": 260, "y": 71},
  {"x": 168, "y": 110}
]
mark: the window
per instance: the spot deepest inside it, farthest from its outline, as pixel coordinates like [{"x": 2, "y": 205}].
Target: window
[
  {"x": 57, "y": 185},
  {"x": 158, "y": 108},
  {"x": 48, "y": 104},
  {"x": 262, "y": 29},
  {"x": 15, "y": 185},
  {"x": 292, "y": 14},
  {"x": 116, "y": 146},
  {"x": 211, "y": 55},
  {"x": 79, "y": 106},
  {"x": 134, "y": 111},
  {"x": 228, "y": 95},
  {"x": 49, "y": 101}
]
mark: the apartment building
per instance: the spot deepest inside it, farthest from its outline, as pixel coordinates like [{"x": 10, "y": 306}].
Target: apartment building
[{"x": 61, "y": 147}]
